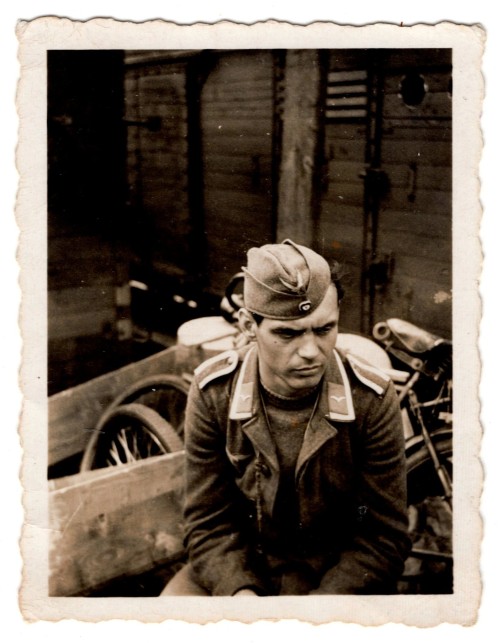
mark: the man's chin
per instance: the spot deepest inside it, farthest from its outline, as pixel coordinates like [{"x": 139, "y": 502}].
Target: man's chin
[{"x": 305, "y": 380}]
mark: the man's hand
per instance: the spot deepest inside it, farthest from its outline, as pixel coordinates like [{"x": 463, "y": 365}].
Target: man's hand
[{"x": 245, "y": 592}]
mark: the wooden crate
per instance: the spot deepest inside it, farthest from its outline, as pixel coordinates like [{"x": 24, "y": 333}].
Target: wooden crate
[{"x": 114, "y": 522}]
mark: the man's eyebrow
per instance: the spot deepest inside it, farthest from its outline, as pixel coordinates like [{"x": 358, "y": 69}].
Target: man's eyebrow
[
  {"x": 287, "y": 330},
  {"x": 332, "y": 322}
]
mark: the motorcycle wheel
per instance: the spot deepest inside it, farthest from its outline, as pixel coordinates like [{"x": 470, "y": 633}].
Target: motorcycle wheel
[
  {"x": 166, "y": 394},
  {"x": 429, "y": 567},
  {"x": 127, "y": 434}
]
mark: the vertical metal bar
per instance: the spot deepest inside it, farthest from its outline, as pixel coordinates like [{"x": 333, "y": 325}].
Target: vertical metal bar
[
  {"x": 279, "y": 58},
  {"x": 373, "y": 152}
]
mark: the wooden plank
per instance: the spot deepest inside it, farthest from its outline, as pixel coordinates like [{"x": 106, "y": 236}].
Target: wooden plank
[
  {"x": 421, "y": 224},
  {"x": 217, "y": 112},
  {"x": 424, "y": 60},
  {"x": 345, "y": 171},
  {"x": 80, "y": 311},
  {"x": 80, "y": 324},
  {"x": 240, "y": 90},
  {"x": 299, "y": 149},
  {"x": 220, "y": 165},
  {"x": 435, "y": 270},
  {"x": 417, "y": 130},
  {"x": 427, "y": 177},
  {"x": 70, "y": 300},
  {"x": 239, "y": 182},
  {"x": 234, "y": 125},
  {"x": 348, "y": 149},
  {"x": 233, "y": 66},
  {"x": 423, "y": 246},
  {"x": 114, "y": 522},
  {"x": 434, "y": 153},
  {"x": 429, "y": 201},
  {"x": 248, "y": 144},
  {"x": 332, "y": 212},
  {"x": 89, "y": 272},
  {"x": 348, "y": 193},
  {"x": 234, "y": 200},
  {"x": 74, "y": 413},
  {"x": 216, "y": 96},
  {"x": 79, "y": 247},
  {"x": 335, "y": 131}
]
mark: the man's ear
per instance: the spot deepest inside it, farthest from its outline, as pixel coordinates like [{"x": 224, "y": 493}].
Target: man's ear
[{"x": 247, "y": 323}]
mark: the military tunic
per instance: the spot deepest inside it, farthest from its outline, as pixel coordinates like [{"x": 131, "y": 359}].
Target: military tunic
[{"x": 349, "y": 499}]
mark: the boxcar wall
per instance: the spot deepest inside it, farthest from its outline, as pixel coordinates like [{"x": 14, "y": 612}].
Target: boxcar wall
[
  {"x": 166, "y": 166},
  {"x": 205, "y": 183},
  {"x": 386, "y": 184},
  {"x": 200, "y": 166}
]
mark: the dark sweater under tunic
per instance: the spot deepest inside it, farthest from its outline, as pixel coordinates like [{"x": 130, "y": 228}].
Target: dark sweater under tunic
[{"x": 288, "y": 419}]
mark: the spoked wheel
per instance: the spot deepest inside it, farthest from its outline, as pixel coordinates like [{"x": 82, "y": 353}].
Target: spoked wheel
[
  {"x": 429, "y": 568},
  {"x": 129, "y": 433},
  {"x": 166, "y": 394}
]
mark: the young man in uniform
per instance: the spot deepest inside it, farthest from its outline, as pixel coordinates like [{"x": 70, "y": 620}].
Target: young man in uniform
[{"x": 295, "y": 469}]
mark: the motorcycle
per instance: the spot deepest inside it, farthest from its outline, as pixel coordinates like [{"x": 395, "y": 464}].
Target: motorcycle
[{"x": 422, "y": 374}]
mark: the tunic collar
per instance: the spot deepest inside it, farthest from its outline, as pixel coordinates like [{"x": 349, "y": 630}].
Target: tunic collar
[{"x": 336, "y": 397}]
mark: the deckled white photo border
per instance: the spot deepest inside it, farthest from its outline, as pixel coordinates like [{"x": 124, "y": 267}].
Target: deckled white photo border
[{"x": 35, "y": 38}]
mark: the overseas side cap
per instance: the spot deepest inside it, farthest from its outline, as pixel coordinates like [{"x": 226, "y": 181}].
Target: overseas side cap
[{"x": 285, "y": 280}]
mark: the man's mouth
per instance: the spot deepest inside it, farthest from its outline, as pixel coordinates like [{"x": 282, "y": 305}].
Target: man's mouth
[{"x": 309, "y": 370}]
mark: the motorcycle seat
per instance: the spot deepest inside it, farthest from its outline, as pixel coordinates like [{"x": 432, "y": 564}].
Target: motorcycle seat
[{"x": 414, "y": 339}]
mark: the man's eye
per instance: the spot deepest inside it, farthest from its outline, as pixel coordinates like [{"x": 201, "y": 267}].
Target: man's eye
[
  {"x": 324, "y": 330},
  {"x": 286, "y": 334}
]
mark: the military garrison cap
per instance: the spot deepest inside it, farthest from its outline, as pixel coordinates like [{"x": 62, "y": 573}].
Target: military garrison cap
[{"x": 285, "y": 280}]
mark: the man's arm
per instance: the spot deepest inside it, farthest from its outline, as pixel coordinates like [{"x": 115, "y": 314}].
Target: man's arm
[
  {"x": 376, "y": 558},
  {"x": 217, "y": 549}
]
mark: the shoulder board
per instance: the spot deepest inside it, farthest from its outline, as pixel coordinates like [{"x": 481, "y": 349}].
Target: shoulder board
[
  {"x": 369, "y": 375},
  {"x": 215, "y": 367}
]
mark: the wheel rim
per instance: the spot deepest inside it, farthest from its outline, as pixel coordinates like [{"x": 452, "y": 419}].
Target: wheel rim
[
  {"x": 166, "y": 394},
  {"x": 127, "y": 434}
]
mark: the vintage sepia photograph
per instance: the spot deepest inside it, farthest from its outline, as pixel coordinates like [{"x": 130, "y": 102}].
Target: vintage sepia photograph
[{"x": 252, "y": 266}]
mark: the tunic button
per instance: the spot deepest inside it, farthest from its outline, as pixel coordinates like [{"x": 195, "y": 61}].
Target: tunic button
[{"x": 264, "y": 469}]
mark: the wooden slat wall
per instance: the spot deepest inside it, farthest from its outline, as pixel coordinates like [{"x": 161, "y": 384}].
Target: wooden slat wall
[
  {"x": 236, "y": 124},
  {"x": 415, "y": 215},
  {"x": 157, "y": 163},
  {"x": 341, "y": 221}
]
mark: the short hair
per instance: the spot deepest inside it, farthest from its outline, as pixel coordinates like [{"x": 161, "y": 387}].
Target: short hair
[{"x": 336, "y": 275}]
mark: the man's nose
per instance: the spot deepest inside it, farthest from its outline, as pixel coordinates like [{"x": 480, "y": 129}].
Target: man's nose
[{"x": 308, "y": 348}]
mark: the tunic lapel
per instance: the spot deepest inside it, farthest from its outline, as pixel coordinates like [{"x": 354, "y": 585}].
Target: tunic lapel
[
  {"x": 335, "y": 405},
  {"x": 246, "y": 407}
]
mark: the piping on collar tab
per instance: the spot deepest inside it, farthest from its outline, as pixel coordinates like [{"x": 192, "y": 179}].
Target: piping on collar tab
[
  {"x": 358, "y": 367},
  {"x": 350, "y": 415},
  {"x": 231, "y": 359},
  {"x": 235, "y": 413}
]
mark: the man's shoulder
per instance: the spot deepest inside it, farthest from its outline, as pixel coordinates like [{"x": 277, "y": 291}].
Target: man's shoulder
[
  {"x": 365, "y": 374},
  {"x": 218, "y": 367}
]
